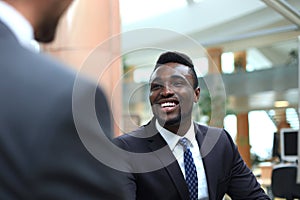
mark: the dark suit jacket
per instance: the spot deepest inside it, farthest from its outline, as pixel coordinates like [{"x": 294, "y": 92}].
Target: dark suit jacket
[
  {"x": 41, "y": 154},
  {"x": 225, "y": 170}
]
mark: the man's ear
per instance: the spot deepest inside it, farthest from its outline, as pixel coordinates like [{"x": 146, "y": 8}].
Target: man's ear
[{"x": 197, "y": 94}]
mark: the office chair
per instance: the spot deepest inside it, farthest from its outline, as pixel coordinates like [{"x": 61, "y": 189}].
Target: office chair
[{"x": 283, "y": 183}]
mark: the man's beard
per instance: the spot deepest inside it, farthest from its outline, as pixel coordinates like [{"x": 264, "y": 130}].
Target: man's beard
[{"x": 170, "y": 122}]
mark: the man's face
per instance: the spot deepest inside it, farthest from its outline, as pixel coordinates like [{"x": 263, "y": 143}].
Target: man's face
[
  {"x": 50, "y": 14},
  {"x": 172, "y": 95}
]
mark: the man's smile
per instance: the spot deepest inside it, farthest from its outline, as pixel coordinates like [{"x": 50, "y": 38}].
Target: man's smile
[{"x": 168, "y": 105}]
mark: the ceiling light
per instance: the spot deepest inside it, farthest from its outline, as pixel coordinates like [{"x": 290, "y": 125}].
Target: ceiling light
[{"x": 281, "y": 104}]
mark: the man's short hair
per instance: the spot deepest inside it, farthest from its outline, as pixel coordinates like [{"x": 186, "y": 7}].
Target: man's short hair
[{"x": 177, "y": 57}]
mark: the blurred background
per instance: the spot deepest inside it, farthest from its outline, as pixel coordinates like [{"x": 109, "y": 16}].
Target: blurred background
[{"x": 254, "y": 46}]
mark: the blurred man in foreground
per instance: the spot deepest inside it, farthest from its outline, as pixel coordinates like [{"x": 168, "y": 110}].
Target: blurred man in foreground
[{"x": 41, "y": 154}]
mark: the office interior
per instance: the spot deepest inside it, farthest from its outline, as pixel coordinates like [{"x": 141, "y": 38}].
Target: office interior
[{"x": 245, "y": 53}]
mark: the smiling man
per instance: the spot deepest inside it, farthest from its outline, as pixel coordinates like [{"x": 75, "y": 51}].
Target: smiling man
[{"x": 206, "y": 163}]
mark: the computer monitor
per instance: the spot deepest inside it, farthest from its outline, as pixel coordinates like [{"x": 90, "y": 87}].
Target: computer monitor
[{"x": 289, "y": 144}]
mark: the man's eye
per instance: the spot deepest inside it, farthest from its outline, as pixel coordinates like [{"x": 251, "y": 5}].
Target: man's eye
[
  {"x": 178, "y": 83},
  {"x": 155, "y": 86}
]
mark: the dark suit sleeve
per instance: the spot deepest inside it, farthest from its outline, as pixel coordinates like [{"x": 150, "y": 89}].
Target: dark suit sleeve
[
  {"x": 128, "y": 182},
  {"x": 243, "y": 184},
  {"x": 103, "y": 113}
]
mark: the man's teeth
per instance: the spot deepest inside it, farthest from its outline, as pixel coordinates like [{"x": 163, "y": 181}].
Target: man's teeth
[{"x": 168, "y": 104}]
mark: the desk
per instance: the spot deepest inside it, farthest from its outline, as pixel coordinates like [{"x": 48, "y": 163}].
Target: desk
[
  {"x": 265, "y": 179},
  {"x": 266, "y": 174}
]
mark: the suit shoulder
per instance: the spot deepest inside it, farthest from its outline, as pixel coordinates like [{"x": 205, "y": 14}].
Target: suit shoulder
[
  {"x": 131, "y": 135},
  {"x": 133, "y": 141},
  {"x": 204, "y": 129},
  {"x": 215, "y": 133}
]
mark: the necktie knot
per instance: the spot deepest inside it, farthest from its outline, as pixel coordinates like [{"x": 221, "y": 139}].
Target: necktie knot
[{"x": 184, "y": 143}]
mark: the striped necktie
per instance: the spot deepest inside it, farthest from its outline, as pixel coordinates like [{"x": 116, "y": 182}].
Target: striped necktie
[{"x": 190, "y": 170}]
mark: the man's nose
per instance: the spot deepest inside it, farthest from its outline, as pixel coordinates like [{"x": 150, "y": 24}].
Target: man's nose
[{"x": 167, "y": 91}]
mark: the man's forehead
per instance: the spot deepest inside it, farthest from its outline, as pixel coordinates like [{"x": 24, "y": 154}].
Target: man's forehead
[{"x": 170, "y": 68}]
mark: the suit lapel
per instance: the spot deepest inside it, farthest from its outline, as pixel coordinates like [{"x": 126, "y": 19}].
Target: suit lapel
[
  {"x": 206, "y": 143},
  {"x": 166, "y": 157}
]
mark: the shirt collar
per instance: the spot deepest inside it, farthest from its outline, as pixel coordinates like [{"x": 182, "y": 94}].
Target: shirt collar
[
  {"x": 172, "y": 139},
  {"x": 18, "y": 24}
]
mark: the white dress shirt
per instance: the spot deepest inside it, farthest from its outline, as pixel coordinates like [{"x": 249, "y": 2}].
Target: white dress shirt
[
  {"x": 19, "y": 25},
  {"x": 178, "y": 151}
]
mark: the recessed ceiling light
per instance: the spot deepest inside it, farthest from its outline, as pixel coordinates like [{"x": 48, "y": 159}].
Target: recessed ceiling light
[{"x": 281, "y": 104}]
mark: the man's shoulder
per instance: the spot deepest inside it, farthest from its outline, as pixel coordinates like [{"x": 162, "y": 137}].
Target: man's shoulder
[
  {"x": 132, "y": 135},
  {"x": 138, "y": 137},
  {"x": 209, "y": 133},
  {"x": 140, "y": 132},
  {"x": 49, "y": 70},
  {"x": 48, "y": 81},
  {"x": 204, "y": 129}
]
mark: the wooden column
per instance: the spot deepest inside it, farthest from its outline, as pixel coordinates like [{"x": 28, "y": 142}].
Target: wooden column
[
  {"x": 240, "y": 62},
  {"x": 84, "y": 40},
  {"x": 243, "y": 137},
  {"x": 217, "y": 100},
  {"x": 281, "y": 119},
  {"x": 214, "y": 61}
]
